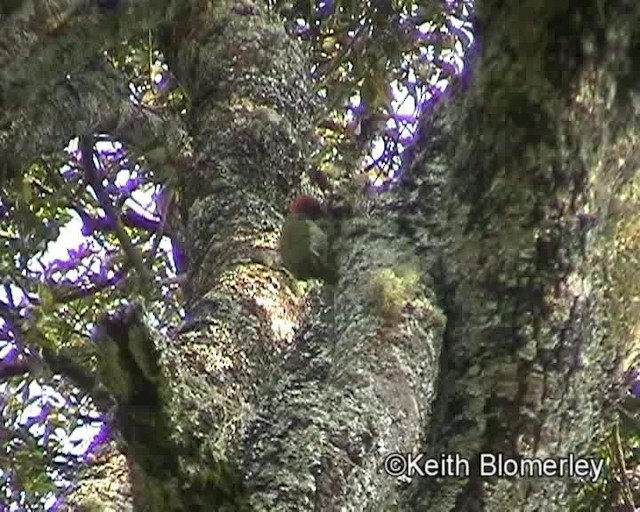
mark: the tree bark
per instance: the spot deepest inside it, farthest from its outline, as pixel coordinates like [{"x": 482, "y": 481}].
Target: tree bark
[{"x": 527, "y": 363}]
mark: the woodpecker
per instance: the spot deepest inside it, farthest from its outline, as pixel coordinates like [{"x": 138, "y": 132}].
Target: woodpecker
[{"x": 306, "y": 241}]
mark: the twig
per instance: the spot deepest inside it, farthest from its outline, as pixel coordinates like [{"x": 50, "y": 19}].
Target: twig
[{"x": 86, "y": 155}]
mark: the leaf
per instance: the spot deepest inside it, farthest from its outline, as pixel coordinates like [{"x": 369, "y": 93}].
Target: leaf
[{"x": 375, "y": 92}]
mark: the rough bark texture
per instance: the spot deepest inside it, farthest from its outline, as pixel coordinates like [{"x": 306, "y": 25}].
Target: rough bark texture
[
  {"x": 531, "y": 143},
  {"x": 357, "y": 386},
  {"x": 469, "y": 316},
  {"x": 250, "y": 105}
]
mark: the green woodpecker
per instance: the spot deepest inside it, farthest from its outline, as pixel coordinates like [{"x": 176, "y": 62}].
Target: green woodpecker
[{"x": 306, "y": 241}]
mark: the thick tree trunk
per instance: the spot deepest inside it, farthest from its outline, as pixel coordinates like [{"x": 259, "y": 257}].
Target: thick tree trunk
[
  {"x": 251, "y": 104},
  {"x": 538, "y": 141}
]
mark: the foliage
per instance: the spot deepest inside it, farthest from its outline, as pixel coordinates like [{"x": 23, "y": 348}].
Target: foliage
[
  {"x": 376, "y": 63},
  {"x": 620, "y": 450}
]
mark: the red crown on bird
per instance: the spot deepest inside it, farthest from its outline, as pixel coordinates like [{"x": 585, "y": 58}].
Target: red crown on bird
[{"x": 306, "y": 205}]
